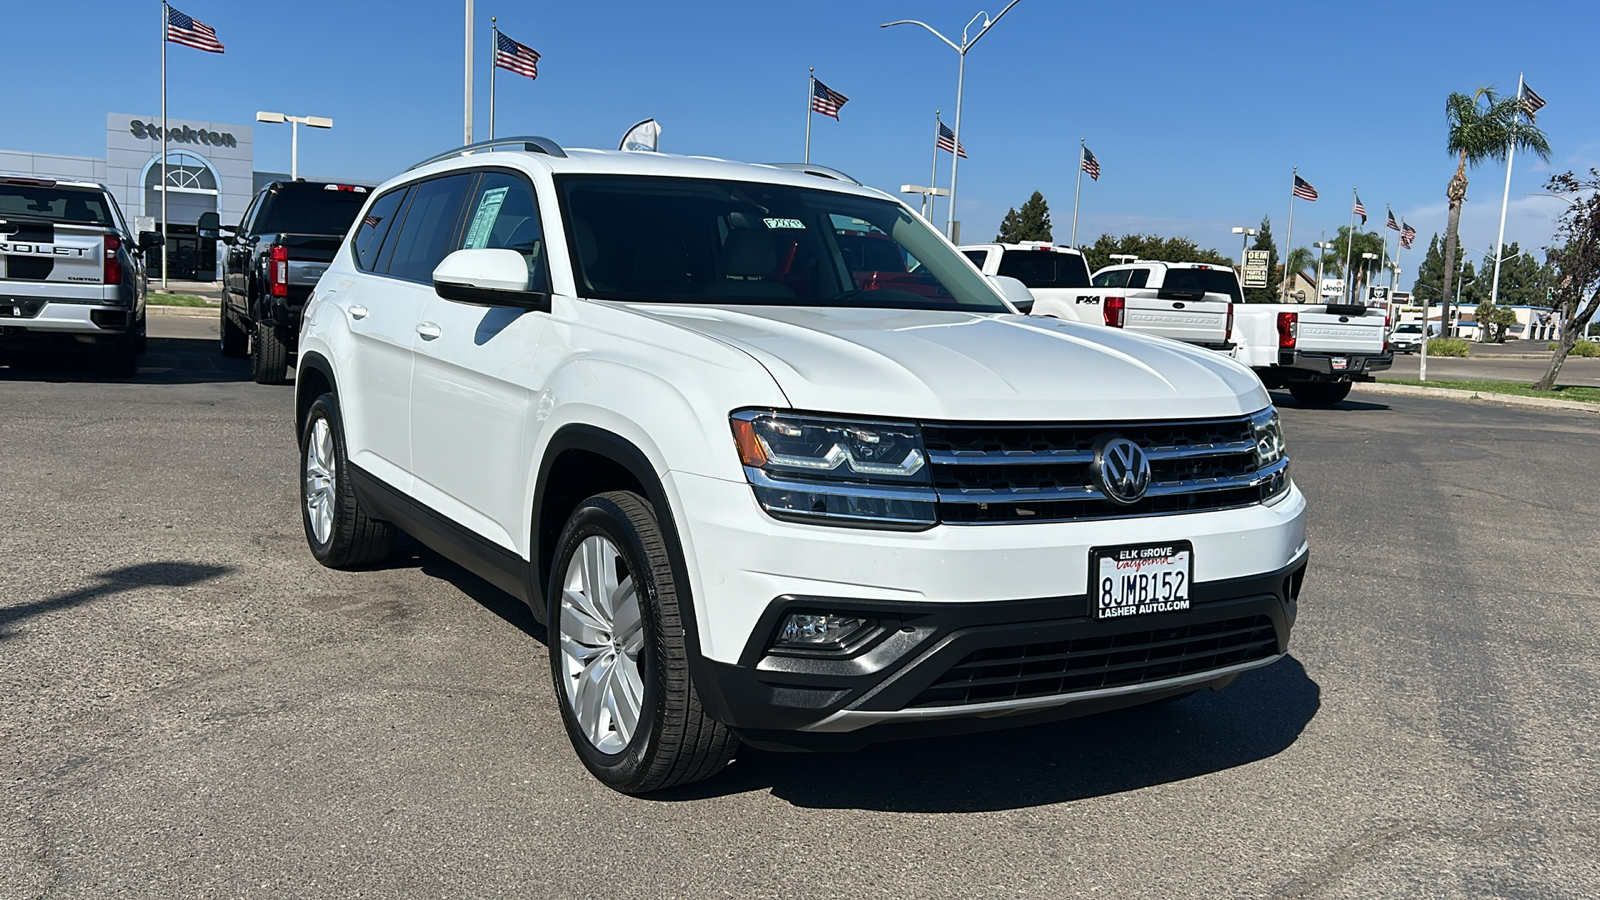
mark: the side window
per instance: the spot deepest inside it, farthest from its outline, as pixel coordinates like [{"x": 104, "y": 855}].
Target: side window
[
  {"x": 1139, "y": 278},
  {"x": 1112, "y": 279},
  {"x": 978, "y": 257},
  {"x": 428, "y": 231},
  {"x": 367, "y": 242},
  {"x": 504, "y": 215},
  {"x": 250, "y": 213}
]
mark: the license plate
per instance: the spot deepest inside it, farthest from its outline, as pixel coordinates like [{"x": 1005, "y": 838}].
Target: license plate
[
  {"x": 1340, "y": 362},
  {"x": 1140, "y": 579}
]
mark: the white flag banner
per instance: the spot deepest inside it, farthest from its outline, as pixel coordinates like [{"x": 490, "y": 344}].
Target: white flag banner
[{"x": 644, "y": 137}]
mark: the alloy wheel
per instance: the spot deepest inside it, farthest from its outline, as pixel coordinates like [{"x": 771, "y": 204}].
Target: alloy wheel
[
  {"x": 601, "y": 638},
  {"x": 321, "y": 476}
]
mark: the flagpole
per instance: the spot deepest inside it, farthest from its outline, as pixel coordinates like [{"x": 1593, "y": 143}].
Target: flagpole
[
  {"x": 494, "y": 54},
  {"x": 1350, "y": 242},
  {"x": 1288, "y": 243},
  {"x": 929, "y": 199},
  {"x": 1500, "y": 239},
  {"x": 811, "y": 90},
  {"x": 164, "y": 239},
  {"x": 1077, "y": 193},
  {"x": 467, "y": 130}
]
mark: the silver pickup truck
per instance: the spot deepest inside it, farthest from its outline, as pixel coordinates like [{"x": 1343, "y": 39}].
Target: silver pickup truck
[{"x": 71, "y": 270}]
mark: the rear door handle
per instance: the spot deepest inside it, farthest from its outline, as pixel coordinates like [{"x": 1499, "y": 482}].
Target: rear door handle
[
  {"x": 428, "y": 330},
  {"x": 358, "y": 312}
]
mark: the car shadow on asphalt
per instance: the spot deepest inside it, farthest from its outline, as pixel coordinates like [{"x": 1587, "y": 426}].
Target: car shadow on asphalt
[
  {"x": 1259, "y": 716},
  {"x": 115, "y": 581},
  {"x": 1287, "y": 399},
  {"x": 167, "y": 361},
  {"x": 409, "y": 553}
]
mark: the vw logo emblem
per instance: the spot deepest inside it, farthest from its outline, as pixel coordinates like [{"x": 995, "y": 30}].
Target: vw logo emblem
[{"x": 1123, "y": 470}]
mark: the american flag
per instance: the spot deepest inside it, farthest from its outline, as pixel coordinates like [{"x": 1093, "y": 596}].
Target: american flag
[
  {"x": 947, "y": 141},
  {"x": 186, "y": 31},
  {"x": 825, "y": 99},
  {"x": 1407, "y": 235},
  {"x": 1531, "y": 102},
  {"x": 371, "y": 221},
  {"x": 1303, "y": 189},
  {"x": 1392, "y": 223},
  {"x": 1360, "y": 210},
  {"x": 515, "y": 57},
  {"x": 1090, "y": 165}
]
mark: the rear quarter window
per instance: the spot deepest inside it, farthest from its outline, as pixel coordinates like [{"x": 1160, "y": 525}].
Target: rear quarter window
[
  {"x": 367, "y": 242},
  {"x": 1045, "y": 268}
]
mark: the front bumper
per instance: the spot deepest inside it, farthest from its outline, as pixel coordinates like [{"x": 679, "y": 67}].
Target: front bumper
[
  {"x": 949, "y": 591},
  {"x": 934, "y": 669}
]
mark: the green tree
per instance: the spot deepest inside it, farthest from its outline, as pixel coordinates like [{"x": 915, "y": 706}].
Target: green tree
[
  {"x": 1493, "y": 320},
  {"x": 1430, "y": 275},
  {"x": 1152, "y": 247},
  {"x": 1523, "y": 282},
  {"x": 1484, "y": 126},
  {"x": 1301, "y": 260},
  {"x": 1576, "y": 262},
  {"x": 1268, "y": 294},
  {"x": 1345, "y": 260},
  {"x": 1031, "y": 223}
]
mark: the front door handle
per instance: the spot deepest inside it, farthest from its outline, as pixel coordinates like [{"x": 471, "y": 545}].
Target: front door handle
[
  {"x": 428, "y": 330},
  {"x": 358, "y": 312}
]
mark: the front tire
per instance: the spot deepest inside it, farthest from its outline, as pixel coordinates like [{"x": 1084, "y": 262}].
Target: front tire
[
  {"x": 338, "y": 529},
  {"x": 269, "y": 355},
  {"x": 618, "y": 653},
  {"x": 234, "y": 341},
  {"x": 1319, "y": 393}
]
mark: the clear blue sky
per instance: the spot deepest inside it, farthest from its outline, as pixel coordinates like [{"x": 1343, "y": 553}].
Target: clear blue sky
[{"x": 1197, "y": 112}]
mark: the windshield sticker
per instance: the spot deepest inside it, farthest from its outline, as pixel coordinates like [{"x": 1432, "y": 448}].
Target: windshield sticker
[
  {"x": 785, "y": 223},
  {"x": 483, "y": 220}
]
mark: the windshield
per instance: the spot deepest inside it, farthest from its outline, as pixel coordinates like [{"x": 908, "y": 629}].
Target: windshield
[
  {"x": 310, "y": 209},
  {"x": 78, "y": 206},
  {"x": 1045, "y": 268},
  {"x": 1202, "y": 281},
  {"x": 1408, "y": 329},
  {"x": 683, "y": 240}
]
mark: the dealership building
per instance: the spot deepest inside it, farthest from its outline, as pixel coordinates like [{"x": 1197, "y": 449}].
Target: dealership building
[{"x": 210, "y": 168}]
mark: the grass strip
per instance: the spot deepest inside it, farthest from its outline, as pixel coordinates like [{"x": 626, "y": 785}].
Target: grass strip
[
  {"x": 157, "y": 298},
  {"x": 1516, "y": 388}
]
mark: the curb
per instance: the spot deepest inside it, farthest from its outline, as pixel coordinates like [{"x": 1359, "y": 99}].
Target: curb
[
  {"x": 193, "y": 311},
  {"x": 1413, "y": 390}
]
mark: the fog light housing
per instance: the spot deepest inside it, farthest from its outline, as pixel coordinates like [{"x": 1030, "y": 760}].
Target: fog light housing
[{"x": 819, "y": 631}]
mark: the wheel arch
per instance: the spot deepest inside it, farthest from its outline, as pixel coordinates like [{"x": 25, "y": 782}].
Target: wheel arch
[
  {"x": 313, "y": 378},
  {"x": 580, "y": 461}
]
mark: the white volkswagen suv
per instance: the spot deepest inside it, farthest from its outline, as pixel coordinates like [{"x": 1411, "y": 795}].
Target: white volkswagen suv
[{"x": 776, "y": 464}]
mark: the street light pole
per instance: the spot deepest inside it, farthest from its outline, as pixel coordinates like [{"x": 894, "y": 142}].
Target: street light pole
[
  {"x": 961, "y": 78},
  {"x": 277, "y": 118},
  {"x": 1323, "y": 246}
]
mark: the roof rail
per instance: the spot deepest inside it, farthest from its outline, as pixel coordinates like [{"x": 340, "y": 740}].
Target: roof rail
[
  {"x": 529, "y": 143},
  {"x": 814, "y": 169}
]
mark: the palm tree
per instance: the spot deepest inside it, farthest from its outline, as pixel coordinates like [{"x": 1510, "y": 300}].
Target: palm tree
[
  {"x": 1483, "y": 126},
  {"x": 1300, "y": 260}
]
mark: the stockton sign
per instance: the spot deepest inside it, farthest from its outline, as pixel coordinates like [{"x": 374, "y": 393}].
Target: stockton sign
[{"x": 184, "y": 135}]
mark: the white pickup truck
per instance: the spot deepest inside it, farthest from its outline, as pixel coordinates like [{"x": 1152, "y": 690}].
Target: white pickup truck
[
  {"x": 1189, "y": 302},
  {"x": 70, "y": 270},
  {"x": 1314, "y": 350}
]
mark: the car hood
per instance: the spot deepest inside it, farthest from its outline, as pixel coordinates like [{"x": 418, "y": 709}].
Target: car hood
[{"x": 927, "y": 364}]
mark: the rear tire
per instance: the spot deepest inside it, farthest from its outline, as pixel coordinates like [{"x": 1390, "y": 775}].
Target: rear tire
[
  {"x": 235, "y": 341},
  {"x": 120, "y": 357},
  {"x": 269, "y": 355},
  {"x": 338, "y": 529},
  {"x": 144, "y": 335},
  {"x": 1319, "y": 393},
  {"x": 618, "y": 653}
]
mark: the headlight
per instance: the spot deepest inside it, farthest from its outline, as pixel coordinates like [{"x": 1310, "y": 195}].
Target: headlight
[
  {"x": 1272, "y": 457},
  {"x": 836, "y": 471}
]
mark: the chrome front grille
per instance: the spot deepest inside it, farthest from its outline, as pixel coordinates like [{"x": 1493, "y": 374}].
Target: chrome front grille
[{"x": 992, "y": 473}]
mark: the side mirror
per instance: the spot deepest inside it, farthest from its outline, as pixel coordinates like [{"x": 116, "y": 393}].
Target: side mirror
[
  {"x": 1014, "y": 291},
  {"x": 207, "y": 225},
  {"x": 485, "y": 277},
  {"x": 149, "y": 240}
]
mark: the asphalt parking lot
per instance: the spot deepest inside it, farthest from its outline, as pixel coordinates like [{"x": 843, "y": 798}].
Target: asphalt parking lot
[{"x": 191, "y": 707}]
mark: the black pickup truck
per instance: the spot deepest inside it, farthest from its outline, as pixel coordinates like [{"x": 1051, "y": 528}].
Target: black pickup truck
[{"x": 281, "y": 247}]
